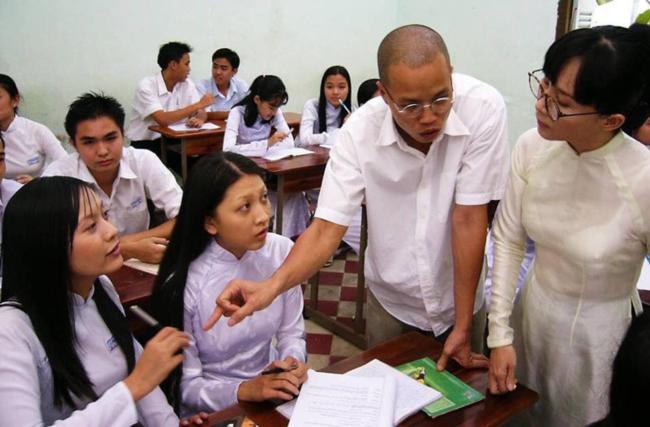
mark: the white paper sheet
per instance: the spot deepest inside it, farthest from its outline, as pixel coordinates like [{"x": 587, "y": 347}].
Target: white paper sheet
[
  {"x": 334, "y": 400},
  {"x": 182, "y": 127},
  {"x": 274, "y": 155},
  {"x": 142, "y": 266},
  {"x": 411, "y": 396}
]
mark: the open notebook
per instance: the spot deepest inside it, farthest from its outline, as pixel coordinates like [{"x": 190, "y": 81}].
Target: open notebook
[
  {"x": 282, "y": 153},
  {"x": 409, "y": 395}
]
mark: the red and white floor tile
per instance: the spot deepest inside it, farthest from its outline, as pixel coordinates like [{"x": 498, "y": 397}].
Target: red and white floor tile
[{"x": 336, "y": 296}]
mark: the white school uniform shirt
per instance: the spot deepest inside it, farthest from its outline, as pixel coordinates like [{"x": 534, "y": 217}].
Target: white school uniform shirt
[
  {"x": 141, "y": 176},
  {"x": 26, "y": 385},
  {"x": 236, "y": 92},
  {"x": 151, "y": 96},
  {"x": 309, "y": 124},
  {"x": 253, "y": 141},
  {"x": 7, "y": 190},
  {"x": 410, "y": 196},
  {"x": 28, "y": 147},
  {"x": 218, "y": 360}
]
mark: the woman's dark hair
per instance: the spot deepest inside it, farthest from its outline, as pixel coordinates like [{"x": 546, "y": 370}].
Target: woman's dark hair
[
  {"x": 366, "y": 91},
  {"x": 613, "y": 71},
  {"x": 39, "y": 224},
  {"x": 204, "y": 190},
  {"x": 322, "y": 102},
  {"x": 270, "y": 89},
  {"x": 8, "y": 84},
  {"x": 630, "y": 377}
]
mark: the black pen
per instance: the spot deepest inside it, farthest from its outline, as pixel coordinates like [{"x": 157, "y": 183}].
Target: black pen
[{"x": 278, "y": 370}]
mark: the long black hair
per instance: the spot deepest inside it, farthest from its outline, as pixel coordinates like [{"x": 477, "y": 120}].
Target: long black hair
[
  {"x": 334, "y": 70},
  {"x": 270, "y": 89},
  {"x": 39, "y": 224},
  {"x": 204, "y": 190},
  {"x": 8, "y": 84},
  {"x": 613, "y": 73}
]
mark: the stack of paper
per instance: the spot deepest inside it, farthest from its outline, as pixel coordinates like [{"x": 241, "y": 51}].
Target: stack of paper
[
  {"x": 142, "y": 266},
  {"x": 333, "y": 400},
  {"x": 274, "y": 155},
  {"x": 182, "y": 127},
  {"x": 407, "y": 396}
]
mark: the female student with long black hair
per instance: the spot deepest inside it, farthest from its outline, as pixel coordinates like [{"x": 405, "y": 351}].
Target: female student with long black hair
[
  {"x": 29, "y": 145},
  {"x": 578, "y": 188},
  {"x": 323, "y": 116},
  {"x": 220, "y": 234},
  {"x": 256, "y": 126},
  {"x": 69, "y": 356}
]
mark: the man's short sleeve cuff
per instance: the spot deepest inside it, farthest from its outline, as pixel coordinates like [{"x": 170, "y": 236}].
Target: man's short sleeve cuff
[
  {"x": 333, "y": 216},
  {"x": 473, "y": 199}
]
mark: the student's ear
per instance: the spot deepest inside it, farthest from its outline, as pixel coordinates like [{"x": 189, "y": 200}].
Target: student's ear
[
  {"x": 234, "y": 71},
  {"x": 613, "y": 122},
  {"x": 210, "y": 225},
  {"x": 257, "y": 100},
  {"x": 73, "y": 143},
  {"x": 382, "y": 92}
]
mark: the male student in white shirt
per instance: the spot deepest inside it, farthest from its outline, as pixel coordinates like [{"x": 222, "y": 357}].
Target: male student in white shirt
[
  {"x": 226, "y": 87},
  {"x": 426, "y": 172},
  {"x": 123, "y": 177},
  {"x": 166, "y": 98}
]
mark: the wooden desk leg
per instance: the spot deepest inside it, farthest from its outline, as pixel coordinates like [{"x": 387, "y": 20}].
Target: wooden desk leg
[
  {"x": 163, "y": 150},
  {"x": 280, "y": 205},
  {"x": 361, "y": 278},
  {"x": 184, "y": 159}
]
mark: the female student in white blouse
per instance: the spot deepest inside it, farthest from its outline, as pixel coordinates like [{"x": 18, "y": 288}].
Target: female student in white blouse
[
  {"x": 68, "y": 355},
  {"x": 323, "y": 116},
  {"x": 220, "y": 234},
  {"x": 29, "y": 145},
  {"x": 578, "y": 188},
  {"x": 249, "y": 132}
]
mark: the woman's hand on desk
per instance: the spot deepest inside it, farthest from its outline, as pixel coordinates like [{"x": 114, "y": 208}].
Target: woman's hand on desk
[
  {"x": 284, "y": 385},
  {"x": 161, "y": 355},
  {"x": 149, "y": 249},
  {"x": 276, "y": 137},
  {"x": 503, "y": 361},
  {"x": 195, "y": 420},
  {"x": 240, "y": 299}
]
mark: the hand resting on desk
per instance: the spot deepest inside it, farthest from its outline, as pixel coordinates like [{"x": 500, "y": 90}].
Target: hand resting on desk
[{"x": 283, "y": 385}]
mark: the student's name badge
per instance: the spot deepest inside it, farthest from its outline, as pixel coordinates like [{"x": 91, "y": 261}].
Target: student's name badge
[
  {"x": 111, "y": 343},
  {"x": 135, "y": 203},
  {"x": 34, "y": 161}
]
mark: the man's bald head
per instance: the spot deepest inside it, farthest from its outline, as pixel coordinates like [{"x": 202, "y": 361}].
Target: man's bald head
[{"x": 412, "y": 45}]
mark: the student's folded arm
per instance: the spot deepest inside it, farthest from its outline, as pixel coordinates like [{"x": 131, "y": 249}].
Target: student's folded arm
[
  {"x": 50, "y": 145},
  {"x": 160, "y": 186},
  {"x": 166, "y": 118},
  {"x": 20, "y": 394},
  {"x": 199, "y": 393},
  {"x": 307, "y": 135},
  {"x": 291, "y": 334},
  {"x": 217, "y": 115},
  {"x": 252, "y": 149},
  {"x": 281, "y": 125}
]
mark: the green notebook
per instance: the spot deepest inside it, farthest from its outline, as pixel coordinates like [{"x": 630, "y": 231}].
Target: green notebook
[{"x": 455, "y": 393}]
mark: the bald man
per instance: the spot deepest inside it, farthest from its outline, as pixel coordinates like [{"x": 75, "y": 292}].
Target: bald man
[{"x": 426, "y": 158}]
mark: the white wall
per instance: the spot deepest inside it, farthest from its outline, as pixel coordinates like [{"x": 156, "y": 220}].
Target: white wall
[{"x": 57, "y": 50}]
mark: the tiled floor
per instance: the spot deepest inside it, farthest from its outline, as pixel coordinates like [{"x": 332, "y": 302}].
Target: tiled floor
[{"x": 336, "y": 295}]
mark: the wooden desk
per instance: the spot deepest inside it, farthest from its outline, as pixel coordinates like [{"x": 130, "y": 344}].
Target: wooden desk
[
  {"x": 492, "y": 411},
  {"x": 295, "y": 174},
  {"x": 134, "y": 287},
  {"x": 202, "y": 142}
]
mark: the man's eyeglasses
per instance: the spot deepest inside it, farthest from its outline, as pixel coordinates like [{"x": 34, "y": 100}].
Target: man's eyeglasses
[
  {"x": 539, "y": 89},
  {"x": 438, "y": 106}
]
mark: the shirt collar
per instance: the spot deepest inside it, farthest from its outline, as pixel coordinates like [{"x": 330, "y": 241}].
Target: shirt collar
[
  {"x": 160, "y": 84},
  {"x": 453, "y": 127},
  {"x": 218, "y": 252},
  {"x": 78, "y": 300},
  {"x": 232, "y": 89},
  {"x": 13, "y": 125},
  {"x": 124, "y": 171}
]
